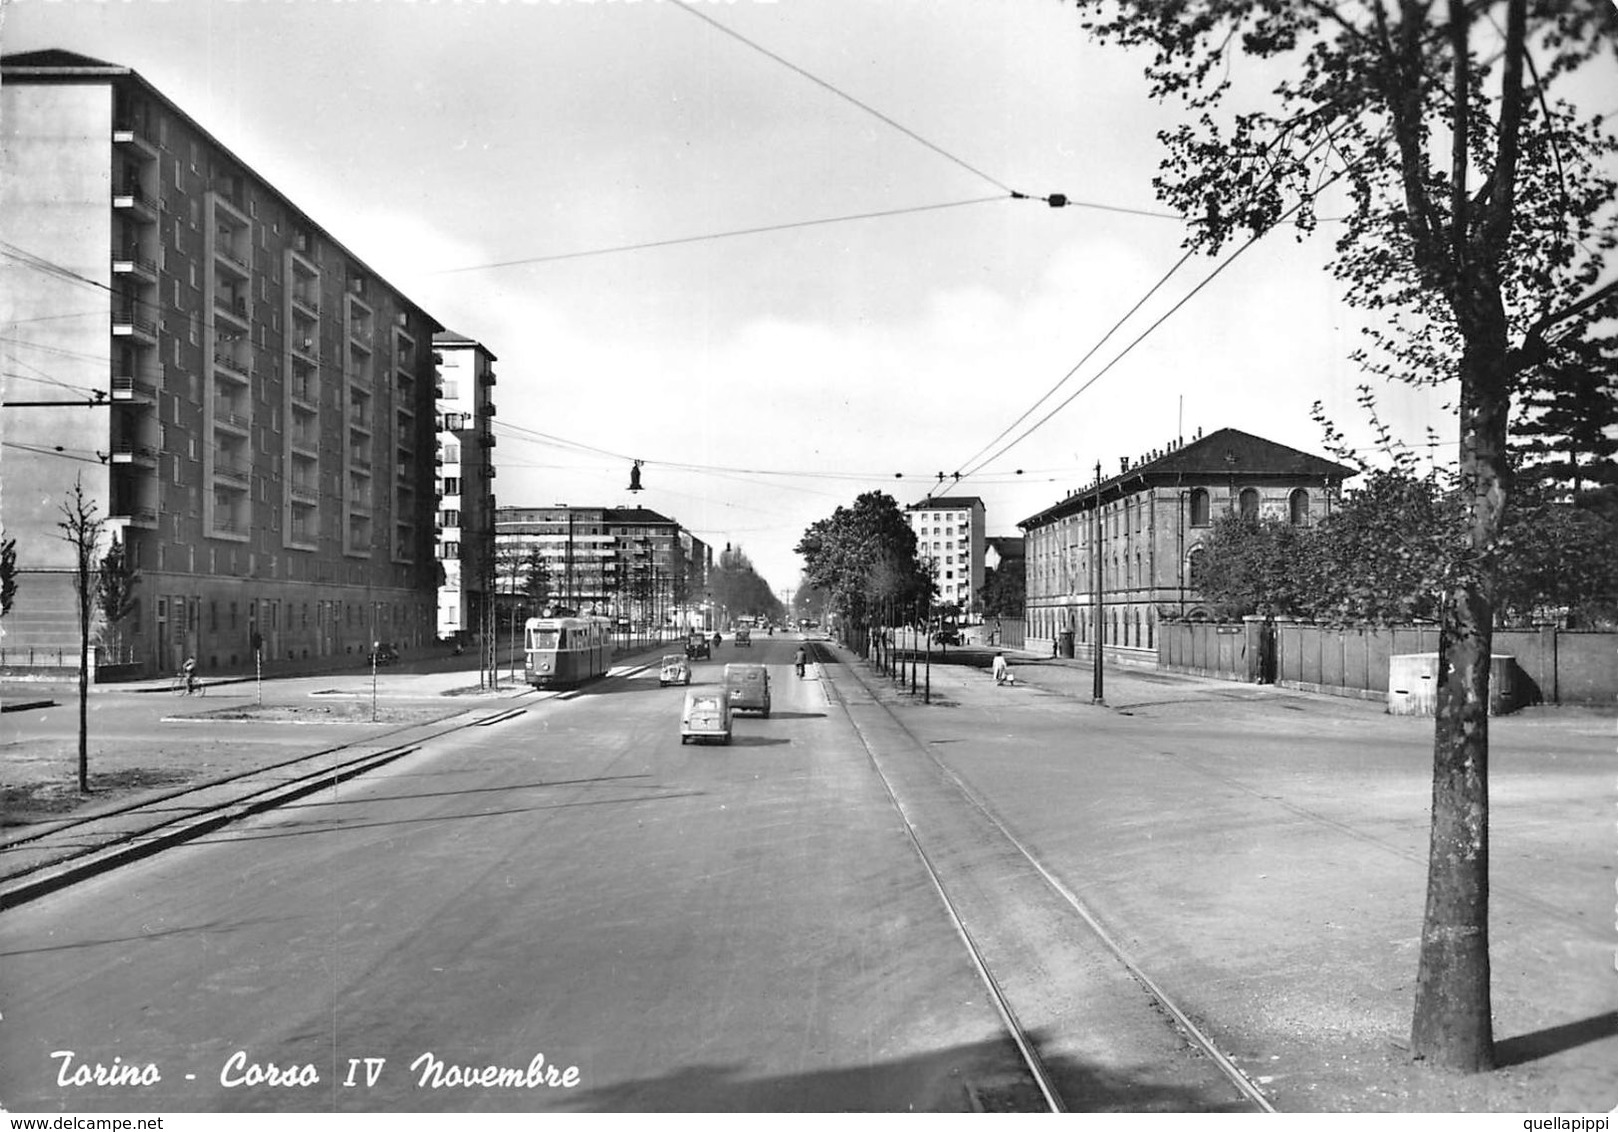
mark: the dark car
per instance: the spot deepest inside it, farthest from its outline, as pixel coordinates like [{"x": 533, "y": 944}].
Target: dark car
[
  {"x": 946, "y": 637},
  {"x": 697, "y": 648},
  {"x": 383, "y": 655}
]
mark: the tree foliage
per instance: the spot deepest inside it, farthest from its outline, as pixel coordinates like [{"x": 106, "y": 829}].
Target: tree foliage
[
  {"x": 8, "y": 574},
  {"x": 115, "y": 582},
  {"x": 1005, "y": 591},
  {"x": 864, "y": 558},
  {"x": 1480, "y": 215},
  {"x": 735, "y": 584}
]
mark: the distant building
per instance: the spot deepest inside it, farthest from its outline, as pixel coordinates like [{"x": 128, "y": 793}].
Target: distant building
[
  {"x": 629, "y": 563},
  {"x": 249, "y": 406},
  {"x": 950, "y": 533},
  {"x": 464, "y": 471},
  {"x": 1149, "y": 522}
]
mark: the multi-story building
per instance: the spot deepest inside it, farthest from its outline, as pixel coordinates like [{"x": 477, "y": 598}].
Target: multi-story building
[
  {"x": 1147, "y": 524},
  {"x": 626, "y": 562},
  {"x": 950, "y": 533},
  {"x": 248, "y": 405},
  {"x": 465, "y": 473}
]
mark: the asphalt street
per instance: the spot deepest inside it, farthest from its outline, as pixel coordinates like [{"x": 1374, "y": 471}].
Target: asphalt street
[{"x": 687, "y": 927}]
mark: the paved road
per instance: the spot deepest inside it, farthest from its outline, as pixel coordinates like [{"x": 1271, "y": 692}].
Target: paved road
[{"x": 731, "y": 928}]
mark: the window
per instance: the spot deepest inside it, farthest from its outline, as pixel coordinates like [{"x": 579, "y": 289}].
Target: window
[
  {"x": 1298, "y": 507},
  {"x": 1247, "y": 502},
  {"x": 1199, "y": 507},
  {"x": 1193, "y": 566},
  {"x": 452, "y": 485}
]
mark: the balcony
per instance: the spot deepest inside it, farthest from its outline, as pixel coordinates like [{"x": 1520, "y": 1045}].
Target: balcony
[
  {"x": 306, "y": 299},
  {"x": 486, "y": 439},
  {"x": 127, "y": 324},
  {"x": 305, "y": 344},
  {"x": 134, "y": 514},
  {"x": 233, "y": 305},
  {"x": 134, "y": 390},
  {"x": 304, "y": 492},
  {"x": 132, "y": 452},
  {"x": 131, "y": 262},
  {"x": 306, "y": 440},
  {"x": 233, "y": 468},
  {"x": 133, "y": 136},
  {"x": 228, "y": 362},
  {"x": 231, "y": 415},
  {"x": 136, "y": 201}
]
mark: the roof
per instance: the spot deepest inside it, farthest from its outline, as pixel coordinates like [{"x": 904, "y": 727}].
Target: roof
[
  {"x": 59, "y": 60},
  {"x": 947, "y": 503},
  {"x": 1223, "y": 455}
]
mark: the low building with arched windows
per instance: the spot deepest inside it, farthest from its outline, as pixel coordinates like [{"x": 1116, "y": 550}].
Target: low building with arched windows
[{"x": 1140, "y": 532}]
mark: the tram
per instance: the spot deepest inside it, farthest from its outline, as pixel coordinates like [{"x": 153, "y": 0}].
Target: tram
[{"x": 563, "y": 651}]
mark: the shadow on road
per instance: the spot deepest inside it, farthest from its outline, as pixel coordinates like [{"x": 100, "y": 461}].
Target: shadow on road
[
  {"x": 980, "y": 1076},
  {"x": 1555, "y": 1039}
]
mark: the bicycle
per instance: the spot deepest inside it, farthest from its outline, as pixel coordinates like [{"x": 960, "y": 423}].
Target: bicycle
[{"x": 181, "y": 686}]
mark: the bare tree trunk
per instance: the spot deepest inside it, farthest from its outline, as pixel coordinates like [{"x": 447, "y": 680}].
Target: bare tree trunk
[{"x": 1453, "y": 1026}]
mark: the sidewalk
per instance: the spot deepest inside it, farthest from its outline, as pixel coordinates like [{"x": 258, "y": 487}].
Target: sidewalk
[{"x": 165, "y": 767}]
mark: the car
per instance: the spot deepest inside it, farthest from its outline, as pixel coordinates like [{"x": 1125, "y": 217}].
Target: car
[
  {"x": 748, "y": 686},
  {"x": 706, "y": 715},
  {"x": 696, "y": 648},
  {"x": 946, "y": 637},
  {"x": 384, "y": 654},
  {"x": 676, "y": 670},
  {"x": 744, "y": 638}
]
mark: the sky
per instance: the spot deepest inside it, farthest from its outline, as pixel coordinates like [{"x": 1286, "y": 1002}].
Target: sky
[{"x": 487, "y": 159}]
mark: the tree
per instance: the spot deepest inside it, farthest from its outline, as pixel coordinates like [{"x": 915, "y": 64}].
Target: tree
[
  {"x": 115, "y": 587},
  {"x": 81, "y": 526},
  {"x": 8, "y": 574},
  {"x": 1005, "y": 591},
  {"x": 864, "y": 558},
  {"x": 1250, "y": 565},
  {"x": 1479, "y": 219},
  {"x": 536, "y": 578},
  {"x": 1570, "y": 416}
]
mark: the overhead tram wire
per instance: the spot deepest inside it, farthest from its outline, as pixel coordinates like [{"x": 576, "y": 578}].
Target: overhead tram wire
[
  {"x": 824, "y": 85},
  {"x": 1141, "y": 337},
  {"x": 1102, "y": 341},
  {"x": 758, "y": 231}
]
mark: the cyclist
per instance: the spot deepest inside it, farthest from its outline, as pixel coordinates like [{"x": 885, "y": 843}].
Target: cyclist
[{"x": 188, "y": 672}]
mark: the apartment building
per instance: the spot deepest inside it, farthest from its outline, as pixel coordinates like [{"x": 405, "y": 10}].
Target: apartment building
[
  {"x": 246, "y": 403},
  {"x": 1144, "y": 528},
  {"x": 630, "y": 563},
  {"x": 465, "y": 472},
  {"x": 951, "y": 534}
]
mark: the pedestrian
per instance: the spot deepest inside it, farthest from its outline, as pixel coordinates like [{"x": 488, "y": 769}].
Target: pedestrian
[
  {"x": 189, "y": 671},
  {"x": 1002, "y": 671}
]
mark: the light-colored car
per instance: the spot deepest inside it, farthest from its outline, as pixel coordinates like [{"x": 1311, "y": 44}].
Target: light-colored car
[
  {"x": 749, "y": 688},
  {"x": 744, "y": 638},
  {"x": 706, "y": 715},
  {"x": 676, "y": 670}
]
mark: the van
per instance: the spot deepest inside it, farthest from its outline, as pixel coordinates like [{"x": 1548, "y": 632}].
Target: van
[{"x": 748, "y": 686}]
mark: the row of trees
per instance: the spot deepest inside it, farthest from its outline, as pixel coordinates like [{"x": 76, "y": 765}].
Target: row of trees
[
  {"x": 1391, "y": 549},
  {"x": 735, "y": 585}
]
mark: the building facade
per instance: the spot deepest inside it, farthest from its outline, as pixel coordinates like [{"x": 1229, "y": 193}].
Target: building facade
[
  {"x": 247, "y": 405},
  {"x": 1144, "y": 528},
  {"x": 629, "y": 563},
  {"x": 464, "y": 469},
  {"x": 951, "y": 533}
]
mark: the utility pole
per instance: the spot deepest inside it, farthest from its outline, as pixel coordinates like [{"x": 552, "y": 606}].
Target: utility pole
[{"x": 1095, "y": 690}]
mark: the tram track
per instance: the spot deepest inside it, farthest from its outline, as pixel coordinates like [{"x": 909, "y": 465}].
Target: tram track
[{"x": 922, "y": 808}]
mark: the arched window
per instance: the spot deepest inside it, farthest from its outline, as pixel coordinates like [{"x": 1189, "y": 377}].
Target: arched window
[
  {"x": 1199, "y": 507},
  {"x": 1193, "y": 566},
  {"x": 1298, "y": 507},
  {"x": 1248, "y": 503}
]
